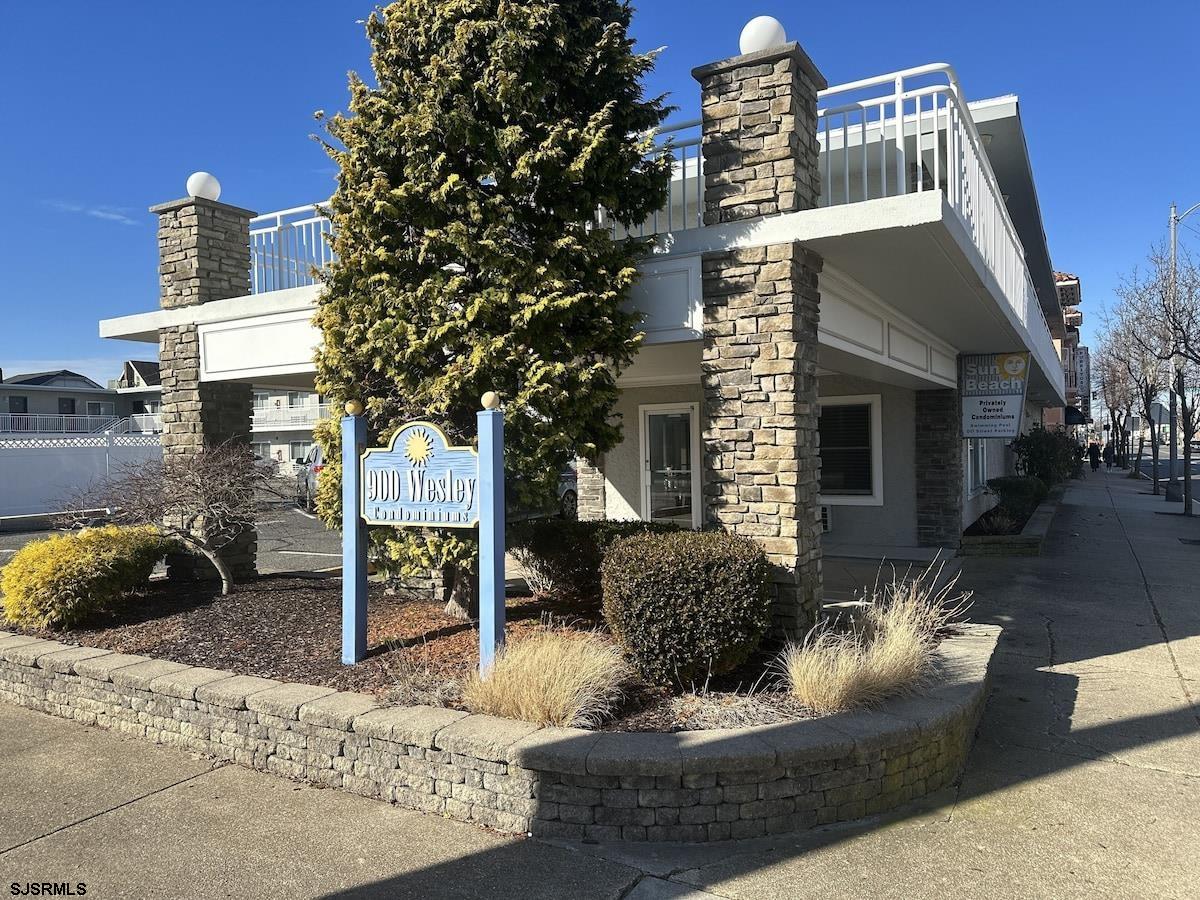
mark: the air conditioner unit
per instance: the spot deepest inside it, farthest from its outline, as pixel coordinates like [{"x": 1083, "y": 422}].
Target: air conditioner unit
[{"x": 826, "y": 519}]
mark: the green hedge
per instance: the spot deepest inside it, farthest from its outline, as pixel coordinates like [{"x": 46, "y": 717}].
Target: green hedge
[
  {"x": 60, "y": 581},
  {"x": 563, "y": 557},
  {"x": 1019, "y": 495},
  {"x": 686, "y": 604}
]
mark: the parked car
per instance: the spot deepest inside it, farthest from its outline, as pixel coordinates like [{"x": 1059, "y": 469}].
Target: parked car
[
  {"x": 308, "y": 473},
  {"x": 568, "y": 492}
]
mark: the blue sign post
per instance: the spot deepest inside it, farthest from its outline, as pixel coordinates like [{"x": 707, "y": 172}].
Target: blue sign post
[
  {"x": 491, "y": 533},
  {"x": 420, "y": 481},
  {"x": 354, "y": 540}
]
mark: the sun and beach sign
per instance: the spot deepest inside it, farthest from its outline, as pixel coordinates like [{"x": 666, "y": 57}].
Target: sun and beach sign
[
  {"x": 420, "y": 481},
  {"x": 993, "y": 388}
]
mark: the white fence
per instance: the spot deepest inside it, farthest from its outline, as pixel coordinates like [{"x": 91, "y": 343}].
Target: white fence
[{"x": 37, "y": 472}]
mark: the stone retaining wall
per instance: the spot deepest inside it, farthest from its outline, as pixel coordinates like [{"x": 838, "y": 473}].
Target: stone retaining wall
[{"x": 517, "y": 777}]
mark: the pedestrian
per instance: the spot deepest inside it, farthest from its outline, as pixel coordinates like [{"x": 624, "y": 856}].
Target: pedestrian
[
  {"x": 1109, "y": 454},
  {"x": 1094, "y": 455}
]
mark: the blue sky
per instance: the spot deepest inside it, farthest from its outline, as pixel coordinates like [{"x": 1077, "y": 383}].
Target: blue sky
[{"x": 111, "y": 106}]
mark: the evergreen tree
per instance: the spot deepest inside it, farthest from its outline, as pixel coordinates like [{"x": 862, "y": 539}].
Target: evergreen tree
[{"x": 465, "y": 229}]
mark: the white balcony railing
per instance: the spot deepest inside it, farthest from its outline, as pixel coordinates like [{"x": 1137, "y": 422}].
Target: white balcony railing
[
  {"x": 34, "y": 423},
  {"x": 288, "y": 247},
  {"x": 917, "y": 135},
  {"x": 291, "y": 416},
  {"x": 900, "y": 133}
]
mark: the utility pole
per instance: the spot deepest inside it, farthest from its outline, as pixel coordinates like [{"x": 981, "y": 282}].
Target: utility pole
[{"x": 1174, "y": 491}]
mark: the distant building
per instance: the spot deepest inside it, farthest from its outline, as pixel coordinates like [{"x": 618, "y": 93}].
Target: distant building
[
  {"x": 65, "y": 402},
  {"x": 61, "y": 400},
  {"x": 1076, "y": 361}
]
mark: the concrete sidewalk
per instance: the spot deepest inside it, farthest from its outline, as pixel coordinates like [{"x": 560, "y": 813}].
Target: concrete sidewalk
[{"x": 1083, "y": 783}]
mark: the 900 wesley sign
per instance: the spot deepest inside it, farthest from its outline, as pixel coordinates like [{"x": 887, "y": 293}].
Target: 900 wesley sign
[
  {"x": 993, "y": 388},
  {"x": 420, "y": 480}
]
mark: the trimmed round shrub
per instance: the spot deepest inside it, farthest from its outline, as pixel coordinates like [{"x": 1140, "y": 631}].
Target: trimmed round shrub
[
  {"x": 686, "y": 604},
  {"x": 564, "y": 557},
  {"x": 62, "y": 580}
]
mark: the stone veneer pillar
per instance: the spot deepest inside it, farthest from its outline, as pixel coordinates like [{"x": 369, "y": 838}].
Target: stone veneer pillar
[
  {"x": 939, "y": 464},
  {"x": 589, "y": 489},
  {"x": 761, "y": 307},
  {"x": 204, "y": 255}
]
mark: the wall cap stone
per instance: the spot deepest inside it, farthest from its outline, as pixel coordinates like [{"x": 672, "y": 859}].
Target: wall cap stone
[
  {"x": 172, "y": 205},
  {"x": 766, "y": 57}
]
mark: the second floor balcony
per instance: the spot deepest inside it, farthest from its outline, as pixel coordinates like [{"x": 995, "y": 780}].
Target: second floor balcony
[
  {"x": 927, "y": 220},
  {"x": 282, "y": 418}
]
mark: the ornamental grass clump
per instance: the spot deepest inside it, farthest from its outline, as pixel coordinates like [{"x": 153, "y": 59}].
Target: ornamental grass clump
[
  {"x": 552, "y": 678},
  {"x": 62, "y": 580},
  {"x": 890, "y": 649}
]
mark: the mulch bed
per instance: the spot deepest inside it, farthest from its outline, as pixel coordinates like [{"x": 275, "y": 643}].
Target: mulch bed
[{"x": 289, "y": 628}]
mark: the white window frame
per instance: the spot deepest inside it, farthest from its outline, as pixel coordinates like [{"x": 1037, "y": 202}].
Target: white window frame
[
  {"x": 875, "y": 498},
  {"x": 976, "y": 456},
  {"x": 307, "y": 445},
  {"x": 644, "y": 412},
  {"x": 261, "y": 400}
]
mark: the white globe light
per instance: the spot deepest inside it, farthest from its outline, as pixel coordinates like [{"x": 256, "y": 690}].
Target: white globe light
[
  {"x": 762, "y": 33},
  {"x": 204, "y": 185}
]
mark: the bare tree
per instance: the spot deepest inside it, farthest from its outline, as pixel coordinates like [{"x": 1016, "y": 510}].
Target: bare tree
[
  {"x": 1116, "y": 388},
  {"x": 1140, "y": 348},
  {"x": 203, "y": 500},
  {"x": 1164, "y": 302}
]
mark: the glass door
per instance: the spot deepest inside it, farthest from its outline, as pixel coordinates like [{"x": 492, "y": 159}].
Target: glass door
[{"x": 669, "y": 443}]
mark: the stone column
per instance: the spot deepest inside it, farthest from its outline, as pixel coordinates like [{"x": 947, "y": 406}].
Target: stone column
[
  {"x": 589, "y": 489},
  {"x": 761, "y": 307},
  {"x": 204, "y": 255},
  {"x": 939, "y": 464}
]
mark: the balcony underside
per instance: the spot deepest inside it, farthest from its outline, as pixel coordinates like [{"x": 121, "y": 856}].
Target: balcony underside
[{"x": 911, "y": 258}]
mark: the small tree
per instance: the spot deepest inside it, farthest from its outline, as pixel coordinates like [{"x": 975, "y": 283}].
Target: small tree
[
  {"x": 1116, "y": 389},
  {"x": 203, "y": 500},
  {"x": 1164, "y": 301},
  {"x": 468, "y": 254},
  {"x": 1141, "y": 347}
]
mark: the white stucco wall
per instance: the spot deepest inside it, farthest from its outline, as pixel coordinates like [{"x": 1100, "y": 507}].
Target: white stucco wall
[
  {"x": 895, "y": 522},
  {"x": 623, "y": 464}
]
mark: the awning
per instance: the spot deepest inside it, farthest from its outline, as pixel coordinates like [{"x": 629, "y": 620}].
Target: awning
[{"x": 1075, "y": 416}]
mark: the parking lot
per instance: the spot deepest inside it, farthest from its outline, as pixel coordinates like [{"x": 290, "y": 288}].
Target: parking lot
[{"x": 289, "y": 540}]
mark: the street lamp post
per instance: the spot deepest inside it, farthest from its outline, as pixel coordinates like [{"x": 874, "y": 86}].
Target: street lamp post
[{"x": 1174, "y": 490}]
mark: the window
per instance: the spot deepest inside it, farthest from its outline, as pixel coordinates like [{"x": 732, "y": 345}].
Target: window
[
  {"x": 66, "y": 406},
  {"x": 18, "y": 405},
  {"x": 851, "y": 433},
  {"x": 261, "y": 399},
  {"x": 299, "y": 450},
  {"x": 297, "y": 398},
  {"x": 976, "y": 465},
  {"x": 260, "y": 449},
  {"x": 100, "y": 408}
]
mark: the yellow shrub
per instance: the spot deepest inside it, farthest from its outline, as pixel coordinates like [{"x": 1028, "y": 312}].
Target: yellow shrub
[
  {"x": 58, "y": 582},
  {"x": 552, "y": 678}
]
